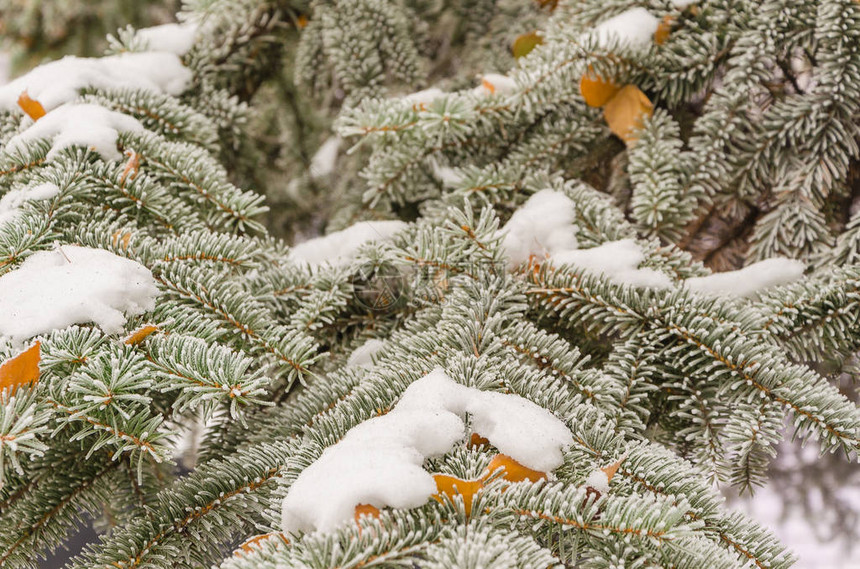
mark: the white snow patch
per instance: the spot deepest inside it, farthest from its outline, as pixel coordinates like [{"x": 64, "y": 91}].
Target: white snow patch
[
  {"x": 598, "y": 480},
  {"x": 450, "y": 177},
  {"x": 380, "y": 461},
  {"x": 340, "y": 247},
  {"x": 10, "y": 204},
  {"x": 171, "y": 38},
  {"x": 495, "y": 84},
  {"x": 322, "y": 163},
  {"x": 543, "y": 226},
  {"x": 58, "y": 82},
  {"x": 424, "y": 97},
  {"x": 363, "y": 355},
  {"x": 87, "y": 125},
  {"x": 633, "y": 28},
  {"x": 618, "y": 261},
  {"x": 747, "y": 282},
  {"x": 681, "y": 4},
  {"x": 72, "y": 285}
]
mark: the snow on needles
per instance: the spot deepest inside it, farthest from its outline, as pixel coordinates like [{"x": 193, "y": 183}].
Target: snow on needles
[
  {"x": 72, "y": 285},
  {"x": 747, "y": 282},
  {"x": 86, "y": 125},
  {"x": 363, "y": 355},
  {"x": 380, "y": 461},
  {"x": 10, "y": 204},
  {"x": 339, "y": 248},
  {"x": 633, "y": 28},
  {"x": 543, "y": 226},
  {"x": 618, "y": 261},
  {"x": 171, "y": 38},
  {"x": 58, "y": 82}
]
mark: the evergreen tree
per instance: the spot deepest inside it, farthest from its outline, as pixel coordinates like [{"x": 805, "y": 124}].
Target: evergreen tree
[{"x": 509, "y": 350}]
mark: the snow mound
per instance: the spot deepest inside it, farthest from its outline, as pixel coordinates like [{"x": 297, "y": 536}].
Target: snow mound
[
  {"x": 379, "y": 462},
  {"x": 11, "y": 203},
  {"x": 618, "y": 261},
  {"x": 59, "y": 82},
  {"x": 747, "y": 282},
  {"x": 87, "y": 125},
  {"x": 171, "y": 38},
  {"x": 72, "y": 285},
  {"x": 340, "y": 247},
  {"x": 542, "y": 227},
  {"x": 633, "y": 28}
]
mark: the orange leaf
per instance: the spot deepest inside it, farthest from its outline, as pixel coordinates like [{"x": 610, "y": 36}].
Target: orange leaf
[
  {"x": 514, "y": 471},
  {"x": 362, "y": 510},
  {"x": 32, "y": 107},
  {"x": 525, "y": 43},
  {"x": 140, "y": 334},
  {"x": 612, "y": 468},
  {"x": 664, "y": 29},
  {"x": 624, "y": 113},
  {"x": 477, "y": 440},
  {"x": 302, "y": 22},
  {"x": 595, "y": 90},
  {"x": 252, "y": 543},
  {"x": 21, "y": 369},
  {"x": 488, "y": 86},
  {"x": 449, "y": 485}
]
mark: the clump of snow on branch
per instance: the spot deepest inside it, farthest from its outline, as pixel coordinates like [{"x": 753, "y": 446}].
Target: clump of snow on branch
[
  {"x": 339, "y": 248},
  {"x": 10, "y": 204},
  {"x": 171, "y": 38},
  {"x": 425, "y": 96},
  {"x": 86, "y": 125},
  {"x": 543, "y": 226},
  {"x": 59, "y": 82},
  {"x": 363, "y": 355},
  {"x": 618, "y": 261},
  {"x": 380, "y": 461},
  {"x": 69, "y": 285},
  {"x": 747, "y": 282},
  {"x": 322, "y": 163},
  {"x": 495, "y": 84},
  {"x": 633, "y": 28}
]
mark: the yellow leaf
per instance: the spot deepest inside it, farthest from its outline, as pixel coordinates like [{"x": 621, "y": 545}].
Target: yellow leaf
[
  {"x": 140, "y": 334},
  {"x": 32, "y": 107},
  {"x": 449, "y": 486},
  {"x": 664, "y": 29},
  {"x": 625, "y": 111},
  {"x": 21, "y": 369},
  {"x": 595, "y": 90},
  {"x": 514, "y": 471},
  {"x": 525, "y": 43}
]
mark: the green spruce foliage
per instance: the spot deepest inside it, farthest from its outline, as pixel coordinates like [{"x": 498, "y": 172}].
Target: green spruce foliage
[{"x": 181, "y": 434}]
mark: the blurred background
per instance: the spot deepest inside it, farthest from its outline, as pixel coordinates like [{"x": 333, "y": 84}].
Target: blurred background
[{"x": 811, "y": 502}]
